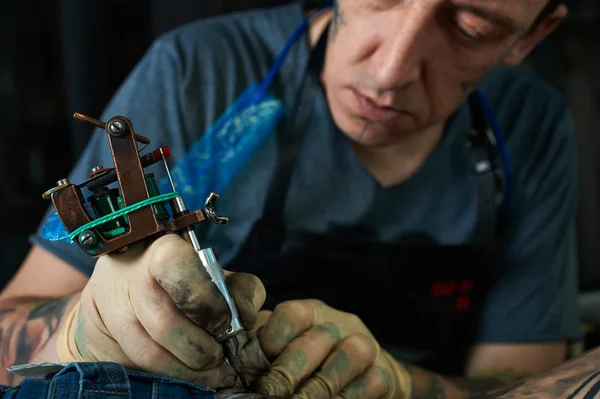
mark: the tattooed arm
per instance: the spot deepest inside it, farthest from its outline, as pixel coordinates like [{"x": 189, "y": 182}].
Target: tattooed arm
[
  {"x": 487, "y": 382},
  {"x": 429, "y": 385},
  {"x": 578, "y": 378},
  {"x": 490, "y": 368},
  {"x": 32, "y": 307},
  {"x": 27, "y": 328}
]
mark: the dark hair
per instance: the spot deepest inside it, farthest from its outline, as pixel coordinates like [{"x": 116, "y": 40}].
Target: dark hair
[{"x": 547, "y": 11}]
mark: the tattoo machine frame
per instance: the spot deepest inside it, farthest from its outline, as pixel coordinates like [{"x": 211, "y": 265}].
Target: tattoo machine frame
[
  {"x": 110, "y": 220},
  {"x": 135, "y": 187}
]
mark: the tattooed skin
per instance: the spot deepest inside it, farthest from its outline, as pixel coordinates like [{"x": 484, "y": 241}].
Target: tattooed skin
[
  {"x": 25, "y": 327},
  {"x": 425, "y": 385},
  {"x": 428, "y": 385},
  {"x": 486, "y": 382},
  {"x": 501, "y": 393},
  {"x": 577, "y": 379},
  {"x": 477, "y": 386},
  {"x": 337, "y": 21}
]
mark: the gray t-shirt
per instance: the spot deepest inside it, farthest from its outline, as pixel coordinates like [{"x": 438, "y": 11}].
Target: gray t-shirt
[{"x": 190, "y": 76}]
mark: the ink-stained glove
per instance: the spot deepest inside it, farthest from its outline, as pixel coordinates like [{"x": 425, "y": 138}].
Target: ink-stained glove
[
  {"x": 254, "y": 360},
  {"x": 156, "y": 309},
  {"x": 321, "y": 352}
]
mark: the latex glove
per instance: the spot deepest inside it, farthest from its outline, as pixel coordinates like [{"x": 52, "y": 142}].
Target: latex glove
[
  {"x": 254, "y": 361},
  {"x": 321, "y": 352},
  {"x": 157, "y": 310}
]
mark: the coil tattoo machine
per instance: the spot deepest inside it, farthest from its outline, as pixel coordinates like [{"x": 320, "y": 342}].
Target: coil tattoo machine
[{"x": 111, "y": 219}]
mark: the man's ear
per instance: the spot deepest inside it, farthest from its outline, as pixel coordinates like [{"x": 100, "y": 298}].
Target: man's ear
[{"x": 532, "y": 38}]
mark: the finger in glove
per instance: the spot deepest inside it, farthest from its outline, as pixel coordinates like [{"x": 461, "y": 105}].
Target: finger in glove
[
  {"x": 178, "y": 269},
  {"x": 169, "y": 327}
]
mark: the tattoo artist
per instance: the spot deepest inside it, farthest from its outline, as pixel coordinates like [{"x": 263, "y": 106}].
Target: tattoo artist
[{"x": 408, "y": 230}]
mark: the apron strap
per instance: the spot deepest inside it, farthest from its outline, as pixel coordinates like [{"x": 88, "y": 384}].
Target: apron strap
[
  {"x": 482, "y": 147},
  {"x": 289, "y": 144}
]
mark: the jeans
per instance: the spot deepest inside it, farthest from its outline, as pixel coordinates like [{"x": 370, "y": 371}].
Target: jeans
[{"x": 106, "y": 381}]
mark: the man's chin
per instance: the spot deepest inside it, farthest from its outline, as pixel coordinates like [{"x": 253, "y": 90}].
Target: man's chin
[{"x": 372, "y": 135}]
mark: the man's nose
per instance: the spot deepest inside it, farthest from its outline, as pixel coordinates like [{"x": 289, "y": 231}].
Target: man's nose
[{"x": 400, "y": 58}]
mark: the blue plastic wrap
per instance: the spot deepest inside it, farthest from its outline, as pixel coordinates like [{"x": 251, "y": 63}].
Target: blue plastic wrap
[
  {"x": 54, "y": 230},
  {"x": 217, "y": 157}
]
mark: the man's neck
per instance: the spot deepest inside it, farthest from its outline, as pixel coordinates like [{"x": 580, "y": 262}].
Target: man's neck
[{"x": 396, "y": 163}]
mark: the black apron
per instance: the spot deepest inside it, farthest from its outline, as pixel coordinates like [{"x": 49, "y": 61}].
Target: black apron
[{"x": 418, "y": 299}]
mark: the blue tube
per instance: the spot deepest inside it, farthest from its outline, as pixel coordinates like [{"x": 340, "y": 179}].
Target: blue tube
[
  {"x": 274, "y": 70},
  {"x": 503, "y": 149}
]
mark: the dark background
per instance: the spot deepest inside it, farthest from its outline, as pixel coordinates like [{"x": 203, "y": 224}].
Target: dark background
[{"x": 60, "y": 57}]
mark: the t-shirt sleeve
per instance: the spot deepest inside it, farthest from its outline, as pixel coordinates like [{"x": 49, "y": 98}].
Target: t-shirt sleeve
[
  {"x": 534, "y": 294},
  {"x": 150, "y": 98}
]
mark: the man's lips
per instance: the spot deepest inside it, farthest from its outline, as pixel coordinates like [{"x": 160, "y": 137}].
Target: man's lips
[{"x": 379, "y": 114}]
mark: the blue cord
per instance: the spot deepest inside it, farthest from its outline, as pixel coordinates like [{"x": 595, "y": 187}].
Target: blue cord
[
  {"x": 274, "y": 71},
  {"x": 504, "y": 154}
]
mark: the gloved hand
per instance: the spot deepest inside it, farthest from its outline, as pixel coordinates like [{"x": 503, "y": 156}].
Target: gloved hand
[
  {"x": 254, "y": 361},
  {"x": 156, "y": 309},
  {"x": 321, "y": 352}
]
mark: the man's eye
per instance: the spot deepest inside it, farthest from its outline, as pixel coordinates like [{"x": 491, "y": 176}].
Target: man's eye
[
  {"x": 471, "y": 28},
  {"x": 468, "y": 34}
]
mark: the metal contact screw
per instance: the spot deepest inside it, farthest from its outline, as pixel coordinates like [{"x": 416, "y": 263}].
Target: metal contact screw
[
  {"x": 87, "y": 239},
  {"x": 117, "y": 127}
]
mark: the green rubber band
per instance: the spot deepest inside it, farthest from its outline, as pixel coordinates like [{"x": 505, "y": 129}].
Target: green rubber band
[{"x": 123, "y": 212}]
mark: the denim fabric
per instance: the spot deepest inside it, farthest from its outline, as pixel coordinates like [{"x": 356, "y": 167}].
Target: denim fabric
[{"x": 106, "y": 381}]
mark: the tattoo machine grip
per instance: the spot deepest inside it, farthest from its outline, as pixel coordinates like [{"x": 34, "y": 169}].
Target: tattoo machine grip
[{"x": 214, "y": 269}]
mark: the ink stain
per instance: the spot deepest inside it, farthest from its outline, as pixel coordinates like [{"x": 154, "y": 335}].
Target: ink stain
[
  {"x": 253, "y": 359},
  {"x": 337, "y": 20},
  {"x": 339, "y": 365},
  {"x": 387, "y": 377},
  {"x": 80, "y": 341},
  {"x": 358, "y": 389},
  {"x": 286, "y": 329},
  {"x": 204, "y": 309},
  {"x": 567, "y": 381},
  {"x": 179, "y": 338},
  {"x": 364, "y": 131},
  {"x": 331, "y": 329},
  {"x": 296, "y": 361}
]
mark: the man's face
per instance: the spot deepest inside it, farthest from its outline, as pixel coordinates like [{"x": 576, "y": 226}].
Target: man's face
[{"x": 403, "y": 66}]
